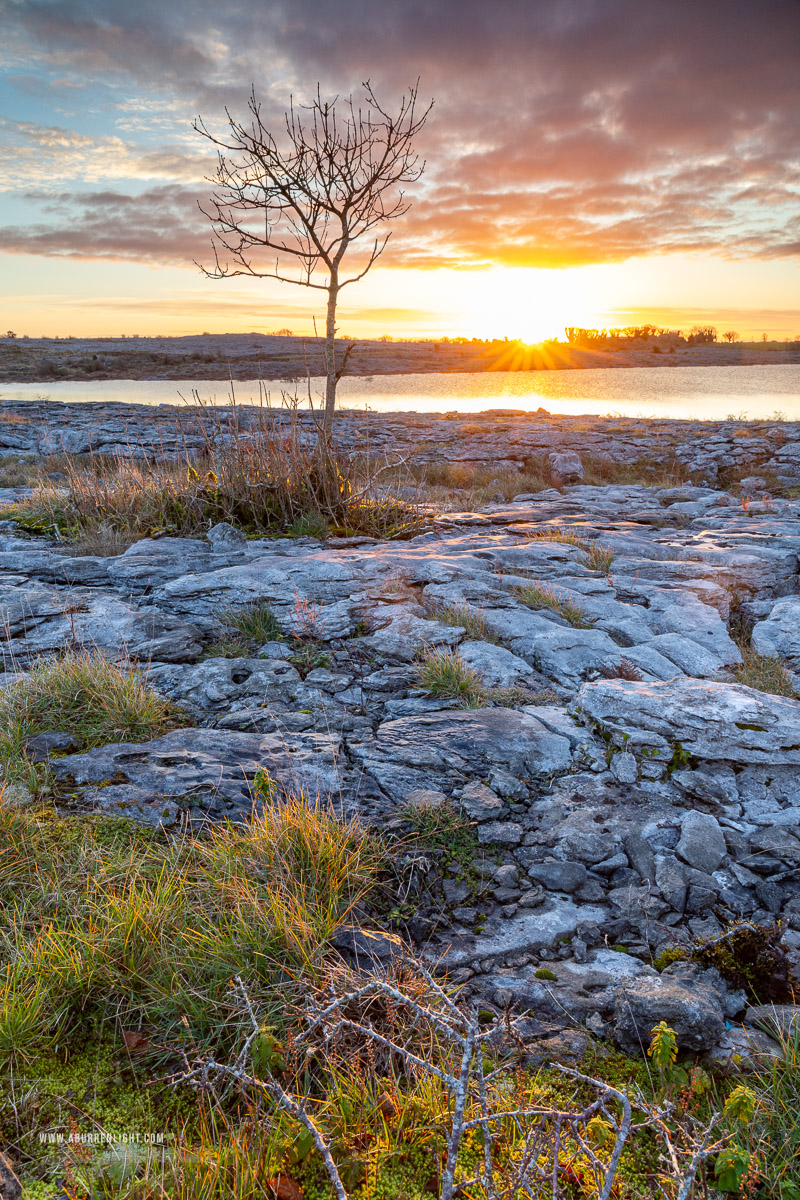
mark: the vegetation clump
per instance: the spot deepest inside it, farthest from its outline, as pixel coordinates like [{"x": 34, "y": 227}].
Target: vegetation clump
[
  {"x": 751, "y": 957},
  {"x": 598, "y": 558},
  {"x": 765, "y": 673},
  {"x": 258, "y": 479},
  {"x": 535, "y": 595},
  {"x": 444, "y": 673},
  {"x": 88, "y": 696},
  {"x": 748, "y": 956},
  {"x": 470, "y": 619},
  {"x": 99, "y": 915}
]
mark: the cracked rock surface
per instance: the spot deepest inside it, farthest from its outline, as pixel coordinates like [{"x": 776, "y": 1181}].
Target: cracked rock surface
[{"x": 623, "y": 791}]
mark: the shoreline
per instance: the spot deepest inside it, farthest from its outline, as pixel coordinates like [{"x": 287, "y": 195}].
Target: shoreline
[{"x": 273, "y": 358}]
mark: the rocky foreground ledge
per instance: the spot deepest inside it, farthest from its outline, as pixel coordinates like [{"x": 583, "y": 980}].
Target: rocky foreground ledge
[
  {"x": 625, "y": 793},
  {"x": 714, "y": 453}
]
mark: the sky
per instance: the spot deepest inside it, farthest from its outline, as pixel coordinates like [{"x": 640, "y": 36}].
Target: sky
[{"x": 588, "y": 162}]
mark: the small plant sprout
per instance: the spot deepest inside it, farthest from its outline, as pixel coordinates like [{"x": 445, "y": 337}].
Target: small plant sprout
[
  {"x": 741, "y": 1104},
  {"x": 663, "y": 1048}
]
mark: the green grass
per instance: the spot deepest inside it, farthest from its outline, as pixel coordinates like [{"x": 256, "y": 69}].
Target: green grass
[
  {"x": 256, "y": 623},
  {"x": 775, "y": 1136},
  {"x": 89, "y": 696},
  {"x": 765, "y": 673},
  {"x": 444, "y": 673},
  {"x": 107, "y": 929},
  {"x": 537, "y": 596},
  {"x": 246, "y": 630},
  {"x": 312, "y": 525},
  {"x": 97, "y": 915}
]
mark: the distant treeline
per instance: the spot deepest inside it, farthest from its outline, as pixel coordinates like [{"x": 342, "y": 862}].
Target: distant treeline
[{"x": 697, "y": 335}]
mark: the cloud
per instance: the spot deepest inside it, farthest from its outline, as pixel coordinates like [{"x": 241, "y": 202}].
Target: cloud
[
  {"x": 563, "y": 132},
  {"x": 159, "y": 225}
]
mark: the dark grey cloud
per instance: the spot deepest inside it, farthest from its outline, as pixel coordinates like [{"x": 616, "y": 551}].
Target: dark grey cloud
[{"x": 564, "y": 130}]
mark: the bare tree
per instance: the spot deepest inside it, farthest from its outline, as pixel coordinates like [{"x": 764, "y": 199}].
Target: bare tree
[{"x": 294, "y": 211}]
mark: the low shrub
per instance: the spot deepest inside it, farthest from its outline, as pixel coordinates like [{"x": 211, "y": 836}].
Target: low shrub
[{"x": 251, "y": 474}]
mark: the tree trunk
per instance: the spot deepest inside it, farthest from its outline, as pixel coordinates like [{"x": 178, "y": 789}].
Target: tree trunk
[{"x": 330, "y": 354}]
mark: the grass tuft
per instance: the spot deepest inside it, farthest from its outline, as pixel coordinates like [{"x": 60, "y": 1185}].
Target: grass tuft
[
  {"x": 89, "y": 696},
  {"x": 444, "y": 673},
  {"x": 535, "y": 596},
  {"x": 598, "y": 558},
  {"x": 471, "y": 620},
  {"x": 256, "y": 623},
  {"x": 765, "y": 673}
]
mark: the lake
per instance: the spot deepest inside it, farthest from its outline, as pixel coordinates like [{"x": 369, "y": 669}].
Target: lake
[{"x": 698, "y": 393}]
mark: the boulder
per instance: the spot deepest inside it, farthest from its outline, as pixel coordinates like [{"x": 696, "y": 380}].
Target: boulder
[
  {"x": 559, "y": 876},
  {"x": 565, "y": 466},
  {"x": 702, "y": 842},
  {"x": 693, "y": 1012}
]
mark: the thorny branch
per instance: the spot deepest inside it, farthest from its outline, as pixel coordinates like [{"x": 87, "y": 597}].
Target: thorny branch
[{"x": 553, "y": 1140}]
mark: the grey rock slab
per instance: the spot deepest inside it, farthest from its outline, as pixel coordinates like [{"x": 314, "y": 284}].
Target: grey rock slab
[
  {"x": 779, "y": 634},
  {"x": 279, "y": 579},
  {"x": 689, "y": 657},
  {"x": 213, "y": 767},
  {"x": 689, "y": 617},
  {"x": 51, "y": 567},
  {"x": 578, "y": 989},
  {"x": 496, "y": 666},
  {"x": 36, "y": 621},
  {"x": 558, "y": 720},
  {"x": 218, "y": 683},
  {"x": 568, "y": 655},
  {"x": 472, "y": 741},
  {"x": 693, "y": 1012},
  {"x": 134, "y": 803},
  {"x": 406, "y": 631},
  {"x": 713, "y": 721},
  {"x": 537, "y": 929}
]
